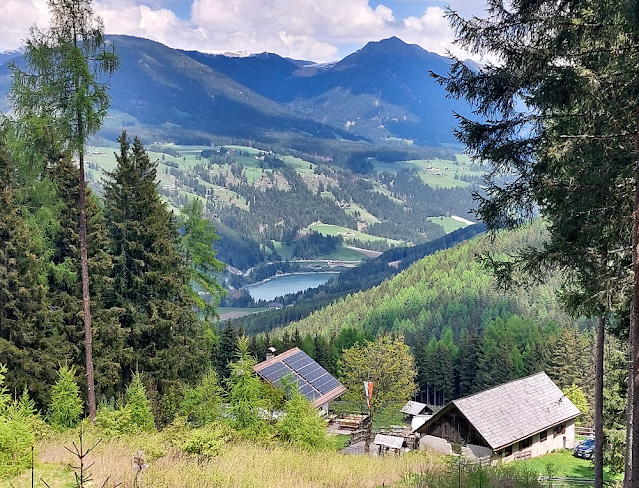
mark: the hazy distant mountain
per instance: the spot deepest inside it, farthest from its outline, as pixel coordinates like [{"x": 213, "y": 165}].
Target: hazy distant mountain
[
  {"x": 382, "y": 92},
  {"x": 161, "y": 86},
  {"x": 8, "y": 56}
]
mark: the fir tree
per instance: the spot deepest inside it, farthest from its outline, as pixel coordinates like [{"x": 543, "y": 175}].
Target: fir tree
[
  {"x": 66, "y": 405},
  {"x": 227, "y": 350},
  {"x": 25, "y": 318},
  {"x": 150, "y": 277}
]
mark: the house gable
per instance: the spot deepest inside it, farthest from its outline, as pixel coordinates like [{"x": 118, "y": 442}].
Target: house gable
[{"x": 452, "y": 425}]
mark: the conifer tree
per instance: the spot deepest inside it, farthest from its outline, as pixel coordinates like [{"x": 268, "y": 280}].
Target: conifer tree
[
  {"x": 573, "y": 148},
  {"x": 137, "y": 403},
  {"x": 63, "y": 86},
  {"x": 65, "y": 288},
  {"x": 468, "y": 359},
  {"x": 66, "y": 405},
  {"x": 150, "y": 278},
  {"x": 227, "y": 350},
  {"x": 25, "y": 316}
]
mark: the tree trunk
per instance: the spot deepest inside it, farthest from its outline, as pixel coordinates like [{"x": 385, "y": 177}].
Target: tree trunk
[
  {"x": 599, "y": 371},
  {"x": 627, "y": 476},
  {"x": 634, "y": 368},
  {"x": 86, "y": 298}
]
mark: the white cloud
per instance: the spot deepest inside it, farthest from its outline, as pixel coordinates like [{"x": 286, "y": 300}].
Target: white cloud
[
  {"x": 16, "y": 17},
  {"x": 312, "y": 28},
  {"x": 303, "y": 29}
]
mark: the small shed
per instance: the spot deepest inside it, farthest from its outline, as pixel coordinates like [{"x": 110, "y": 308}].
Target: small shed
[
  {"x": 524, "y": 418},
  {"x": 416, "y": 413},
  {"x": 415, "y": 408},
  {"x": 388, "y": 442}
]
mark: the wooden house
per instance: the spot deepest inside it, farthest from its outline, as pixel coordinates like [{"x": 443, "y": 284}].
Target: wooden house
[{"x": 517, "y": 420}]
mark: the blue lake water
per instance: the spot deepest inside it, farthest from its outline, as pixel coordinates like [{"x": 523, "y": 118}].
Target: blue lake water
[{"x": 282, "y": 285}]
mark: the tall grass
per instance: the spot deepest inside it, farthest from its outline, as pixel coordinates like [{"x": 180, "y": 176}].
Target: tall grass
[{"x": 240, "y": 465}]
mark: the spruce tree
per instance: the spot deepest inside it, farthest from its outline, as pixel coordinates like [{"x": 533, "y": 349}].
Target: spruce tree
[
  {"x": 65, "y": 287},
  {"x": 572, "y": 146},
  {"x": 227, "y": 350},
  {"x": 25, "y": 317},
  {"x": 150, "y": 277},
  {"x": 66, "y": 405}
]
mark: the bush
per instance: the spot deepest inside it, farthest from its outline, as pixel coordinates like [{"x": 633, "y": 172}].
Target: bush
[
  {"x": 138, "y": 404},
  {"x": 66, "y": 405},
  {"x": 205, "y": 441},
  {"x": 201, "y": 405},
  {"x": 302, "y": 424},
  {"x": 134, "y": 416},
  {"x": 16, "y": 433}
]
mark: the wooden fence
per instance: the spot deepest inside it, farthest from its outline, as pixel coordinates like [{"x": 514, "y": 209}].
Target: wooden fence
[{"x": 587, "y": 431}]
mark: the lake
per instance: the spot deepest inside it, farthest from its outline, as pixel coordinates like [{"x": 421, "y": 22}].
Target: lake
[{"x": 292, "y": 283}]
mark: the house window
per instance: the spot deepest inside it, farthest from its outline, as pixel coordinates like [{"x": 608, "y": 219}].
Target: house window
[
  {"x": 525, "y": 443},
  {"x": 543, "y": 436},
  {"x": 559, "y": 429},
  {"x": 508, "y": 451}
]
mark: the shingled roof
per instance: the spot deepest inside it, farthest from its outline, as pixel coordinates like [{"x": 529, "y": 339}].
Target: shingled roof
[{"x": 513, "y": 411}]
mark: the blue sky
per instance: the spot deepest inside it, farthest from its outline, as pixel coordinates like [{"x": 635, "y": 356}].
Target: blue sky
[{"x": 318, "y": 30}]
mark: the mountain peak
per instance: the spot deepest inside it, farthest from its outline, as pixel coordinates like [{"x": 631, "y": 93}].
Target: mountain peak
[{"x": 392, "y": 45}]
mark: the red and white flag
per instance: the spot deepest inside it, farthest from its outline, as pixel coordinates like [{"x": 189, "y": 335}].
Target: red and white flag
[{"x": 368, "y": 389}]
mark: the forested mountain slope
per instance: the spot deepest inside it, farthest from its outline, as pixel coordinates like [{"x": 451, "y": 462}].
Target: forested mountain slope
[{"x": 447, "y": 289}]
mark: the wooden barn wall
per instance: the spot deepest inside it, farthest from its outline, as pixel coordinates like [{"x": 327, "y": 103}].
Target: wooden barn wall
[{"x": 454, "y": 427}]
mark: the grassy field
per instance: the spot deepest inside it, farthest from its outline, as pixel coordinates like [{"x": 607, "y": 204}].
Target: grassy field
[
  {"x": 448, "y": 223},
  {"x": 334, "y": 230},
  {"x": 435, "y": 172},
  {"x": 562, "y": 463},
  {"x": 241, "y": 465}
]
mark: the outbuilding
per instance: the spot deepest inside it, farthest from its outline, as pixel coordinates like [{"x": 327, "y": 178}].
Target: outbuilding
[{"x": 521, "y": 419}]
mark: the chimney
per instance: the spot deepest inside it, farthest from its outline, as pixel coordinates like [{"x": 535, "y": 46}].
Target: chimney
[{"x": 270, "y": 352}]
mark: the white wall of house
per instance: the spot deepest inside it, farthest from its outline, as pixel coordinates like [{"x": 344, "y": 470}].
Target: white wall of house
[{"x": 554, "y": 439}]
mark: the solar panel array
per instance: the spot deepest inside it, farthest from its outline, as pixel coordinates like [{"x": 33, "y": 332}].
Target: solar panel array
[{"x": 312, "y": 380}]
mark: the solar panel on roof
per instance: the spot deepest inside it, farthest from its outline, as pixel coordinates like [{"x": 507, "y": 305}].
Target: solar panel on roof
[
  {"x": 328, "y": 386},
  {"x": 298, "y": 361},
  {"x": 311, "y": 379},
  {"x": 308, "y": 391},
  {"x": 275, "y": 371}
]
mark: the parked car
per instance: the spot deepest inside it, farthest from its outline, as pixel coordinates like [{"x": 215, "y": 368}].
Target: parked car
[{"x": 585, "y": 449}]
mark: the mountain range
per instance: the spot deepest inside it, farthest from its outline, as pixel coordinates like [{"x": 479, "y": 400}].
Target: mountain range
[{"x": 381, "y": 94}]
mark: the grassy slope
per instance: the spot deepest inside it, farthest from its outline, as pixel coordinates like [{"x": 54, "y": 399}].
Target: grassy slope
[
  {"x": 448, "y": 223},
  {"x": 240, "y": 465}
]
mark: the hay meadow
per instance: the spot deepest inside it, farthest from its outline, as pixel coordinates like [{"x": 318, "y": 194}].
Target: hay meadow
[{"x": 242, "y": 464}]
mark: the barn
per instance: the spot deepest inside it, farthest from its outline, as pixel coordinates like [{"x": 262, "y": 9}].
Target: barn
[{"x": 524, "y": 418}]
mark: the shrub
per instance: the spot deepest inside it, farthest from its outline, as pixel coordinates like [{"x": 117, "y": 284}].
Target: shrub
[
  {"x": 302, "y": 424},
  {"x": 138, "y": 404},
  {"x": 113, "y": 421},
  {"x": 201, "y": 405},
  {"x": 16, "y": 434},
  {"x": 134, "y": 416},
  {"x": 66, "y": 405}
]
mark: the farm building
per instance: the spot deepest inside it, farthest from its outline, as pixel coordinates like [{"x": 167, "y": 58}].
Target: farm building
[
  {"x": 416, "y": 413},
  {"x": 313, "y": 381},
  {"x": 517, "y": 420}
]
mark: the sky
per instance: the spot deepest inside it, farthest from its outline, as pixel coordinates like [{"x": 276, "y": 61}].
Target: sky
[{"x": 315, "y": 30}]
